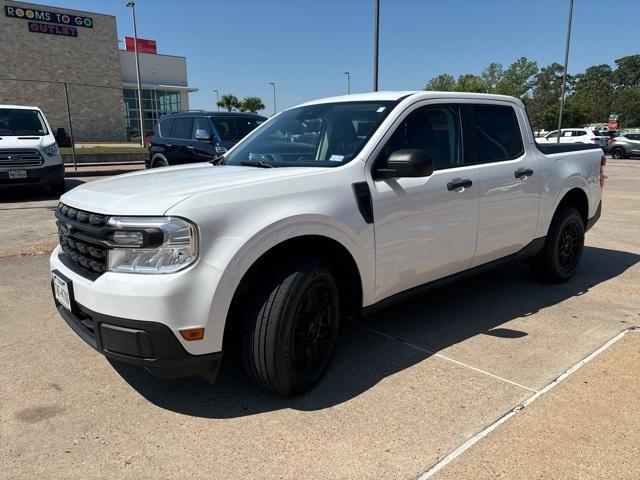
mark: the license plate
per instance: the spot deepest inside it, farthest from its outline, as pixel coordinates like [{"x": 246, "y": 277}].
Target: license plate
[
  {"x": 17, "y": 174},
  {"x": 61, "y": 290}
]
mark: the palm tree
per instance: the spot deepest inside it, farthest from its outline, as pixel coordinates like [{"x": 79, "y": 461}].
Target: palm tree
[
  {"x": 228, "y": 102},
  {"x": 251, "y": 104}
]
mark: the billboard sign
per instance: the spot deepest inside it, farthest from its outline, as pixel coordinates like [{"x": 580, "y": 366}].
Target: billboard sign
[{"x": 144, "y": 45}]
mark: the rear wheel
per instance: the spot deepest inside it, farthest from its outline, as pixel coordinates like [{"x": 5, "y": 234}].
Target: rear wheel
[
  {"x": 159, "y": 161},
  {"x": 618, "y": 153},
  {"x": 292, "y": 329},
  {"x": 558, "y": 260}
]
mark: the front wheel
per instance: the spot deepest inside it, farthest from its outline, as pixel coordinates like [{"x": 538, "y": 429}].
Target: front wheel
[
  {"x": 292, "y": 328},
  {"x": 159, "y": 161},
  {"x": 558, "y": 260}
]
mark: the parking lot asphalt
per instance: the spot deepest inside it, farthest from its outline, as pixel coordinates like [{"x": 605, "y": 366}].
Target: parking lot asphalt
[{"x": 407, "y": 387}]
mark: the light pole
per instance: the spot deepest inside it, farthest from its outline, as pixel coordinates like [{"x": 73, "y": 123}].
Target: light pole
[
  {"x": 132, "y": 5},
  {"x": 566, "y": 65},
  {"x": 273, "y": 84},
  {"x": 376, "y": 35},
  {"x": 217, "y": 98},
  {"x": 348, "y": 82}
]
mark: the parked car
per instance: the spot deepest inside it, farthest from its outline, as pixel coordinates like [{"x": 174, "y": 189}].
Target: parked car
[
  {"x": 577, "y": 135},
  {"x": 624, "y": 146},
  {"x": 334, "y": 207},
  {"x": 29, "y": 153},
  {"x": 63, "y": 139},
  {"x": 198, "y": 136}
]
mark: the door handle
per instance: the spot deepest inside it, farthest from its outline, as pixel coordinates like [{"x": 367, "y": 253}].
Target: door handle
[
  {"x": 459, "y": 183},
  {"x": 523, "y": 172}
]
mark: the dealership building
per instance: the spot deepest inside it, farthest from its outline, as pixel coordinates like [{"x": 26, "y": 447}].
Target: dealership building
[{"x": 53, "y": 57}]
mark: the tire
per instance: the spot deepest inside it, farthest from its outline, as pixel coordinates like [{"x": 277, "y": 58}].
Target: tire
[
  {"x": 159, "y": 161},
  {"x": 618, "y": 153},
  {"x": 292, "y": 328},
  {"x": 558, "y": 260}
]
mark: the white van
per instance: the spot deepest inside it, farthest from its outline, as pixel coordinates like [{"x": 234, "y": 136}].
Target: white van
[{"x": 29, "y": 153}]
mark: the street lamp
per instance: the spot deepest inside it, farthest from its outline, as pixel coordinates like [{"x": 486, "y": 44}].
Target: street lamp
[
  {"x": 348, "y": 82},
  {"x": 566, "y": 65},
  {"x": 376, "y": 35},
  {"x": 132, "y": 6},
  {"x": 217, "y": 98},
  {"x": 273, "y": 84}
]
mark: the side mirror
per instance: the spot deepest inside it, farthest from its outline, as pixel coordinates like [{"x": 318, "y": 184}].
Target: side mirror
[
  {"x": 407, "y": 163},
  {"x": 203, "y": 135}
]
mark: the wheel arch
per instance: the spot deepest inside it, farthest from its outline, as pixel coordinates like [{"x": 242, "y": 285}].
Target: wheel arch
[
  {"x": 338, "y": 257},
  {"x": 577, "y": 198}
]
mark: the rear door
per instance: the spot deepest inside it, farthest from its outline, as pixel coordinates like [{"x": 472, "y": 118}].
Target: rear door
[
  {"x": 634, "y": 143},
  {"x": 182, "y": 132},
  {"x": 507, "y": 181}
]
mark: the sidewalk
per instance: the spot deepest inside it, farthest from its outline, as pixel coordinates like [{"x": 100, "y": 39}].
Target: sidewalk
[{"x": 587, "y": 427}]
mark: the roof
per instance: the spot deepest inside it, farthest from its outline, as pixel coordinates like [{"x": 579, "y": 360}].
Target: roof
[
  {"x": 417, "y": 94},
  {"x": 216, "y": 113}
]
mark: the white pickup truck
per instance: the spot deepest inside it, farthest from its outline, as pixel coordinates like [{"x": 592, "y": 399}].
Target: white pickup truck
[
  {"x": 28, "y": 150},
  {"x": 329, "y": 209}
]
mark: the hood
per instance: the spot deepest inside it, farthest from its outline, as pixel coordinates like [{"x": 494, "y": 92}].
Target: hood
[
  {"x": 153, "y": 192},
  {"x": 25, "y": 141}
]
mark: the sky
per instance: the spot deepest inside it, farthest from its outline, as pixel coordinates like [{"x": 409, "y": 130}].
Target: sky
[{"x": 305, "y": 46}]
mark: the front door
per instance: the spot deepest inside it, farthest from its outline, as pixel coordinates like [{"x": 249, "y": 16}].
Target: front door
[{"x": 425, "y": 228}]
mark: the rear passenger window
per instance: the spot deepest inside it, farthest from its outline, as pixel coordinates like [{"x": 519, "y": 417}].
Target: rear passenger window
[
  {"x": 166, "y": 127},
  {"x": 579, "y": 133},
  {"x": 183, "y": 128},
  {"x": 434, "y": 129},
  {"x": 497, "y": 133}
]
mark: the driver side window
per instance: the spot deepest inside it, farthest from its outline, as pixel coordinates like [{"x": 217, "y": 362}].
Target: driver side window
[{"x": 434, "y": 129}]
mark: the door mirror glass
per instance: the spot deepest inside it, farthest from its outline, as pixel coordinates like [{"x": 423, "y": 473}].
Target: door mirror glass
[
  {"x": 411, "y": 162},
  {"x": 203, "y": 135}
]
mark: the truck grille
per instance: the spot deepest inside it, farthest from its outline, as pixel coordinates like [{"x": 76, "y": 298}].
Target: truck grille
[
  {"x": 20, "y": 158},
  {"x": 83, "y": 238}
]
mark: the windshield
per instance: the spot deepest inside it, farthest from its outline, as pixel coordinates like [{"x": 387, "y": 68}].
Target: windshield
[
  {"x": 17, "y": 121},
  {"x": 324, "y": 135}
]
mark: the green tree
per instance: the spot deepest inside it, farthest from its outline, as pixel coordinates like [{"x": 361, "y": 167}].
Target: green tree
[
  {"x": 229, "y": 102},
  {"x": 251, "y": 104},
  {"x": 593, "y": 93},
  {"x": 470, "y": 83},
  {"x": 441, "y": 83},
  {"x": 627, "y": 74},
  {"x": 491, "y": 76},
  {"x": 517, "y": 79},
  {"x": 544, "y": 105},
  {"x": 627, "y": 105}
]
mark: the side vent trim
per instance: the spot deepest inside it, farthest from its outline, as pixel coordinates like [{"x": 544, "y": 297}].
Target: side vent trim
[{"x": 363, "y": 198}]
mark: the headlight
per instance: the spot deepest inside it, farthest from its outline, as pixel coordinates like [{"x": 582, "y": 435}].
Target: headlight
[
  {"x": 52, "y": 150},
  {"x": 151, "y": 245}
]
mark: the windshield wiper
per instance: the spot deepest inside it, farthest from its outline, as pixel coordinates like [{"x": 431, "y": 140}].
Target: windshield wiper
[{"x": 257, "y": 163}]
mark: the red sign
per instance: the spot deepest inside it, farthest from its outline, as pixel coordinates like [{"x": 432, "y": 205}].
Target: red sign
[
  {"x": 144, "y": 45},
  {"x": 613, "y": 125}
]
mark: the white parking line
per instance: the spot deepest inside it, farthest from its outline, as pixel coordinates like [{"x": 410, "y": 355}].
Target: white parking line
[
  {"x": 484, "y": 432},
  {"x": 444, "y": 357}
]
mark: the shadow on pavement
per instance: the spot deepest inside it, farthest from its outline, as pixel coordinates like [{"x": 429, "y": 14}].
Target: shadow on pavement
[
  {"x": 31, "y": 193},
  {"x": 441, "y": 318}
]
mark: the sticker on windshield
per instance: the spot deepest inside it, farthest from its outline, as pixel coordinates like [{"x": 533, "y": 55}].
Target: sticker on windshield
[
  {"x": 381, "y": 109},
  {"x": 336, "y": 158}
]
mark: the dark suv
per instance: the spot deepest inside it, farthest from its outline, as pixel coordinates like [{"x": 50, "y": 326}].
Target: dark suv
[{"x": 198, "y": 136}]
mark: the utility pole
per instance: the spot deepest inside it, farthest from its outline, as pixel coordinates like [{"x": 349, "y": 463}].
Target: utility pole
[
  {"x": 348, "y": 82},
  {"x": 132, "y": 6},
  {"x": 566, "y": 66},
  {"x": 73, "y": 140},
  {"x": 217, "y": 98},
  {"x": 273, "y": 84},
  {"x": 376, "y": 35}
]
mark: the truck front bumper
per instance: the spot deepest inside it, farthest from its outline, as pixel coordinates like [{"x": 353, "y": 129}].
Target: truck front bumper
[
  {"x": 148, "y": 344},
  {"x": 47, "y": 175}
]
